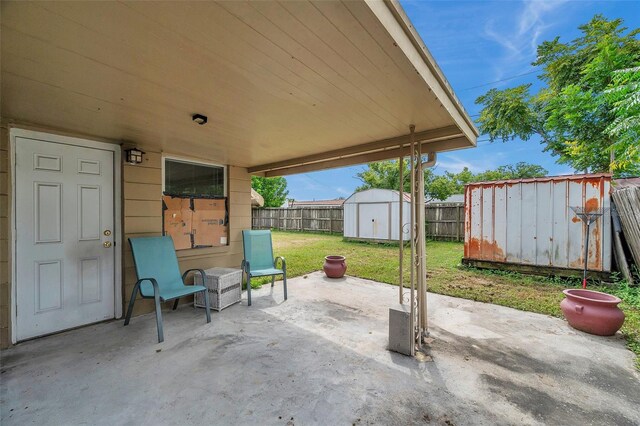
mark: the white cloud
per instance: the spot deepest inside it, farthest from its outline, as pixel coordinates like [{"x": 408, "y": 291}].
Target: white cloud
[
  {"x": 455, "y": 164},
  {"x": 520, "y": 37},
  {"x": 343, "y": 191}
]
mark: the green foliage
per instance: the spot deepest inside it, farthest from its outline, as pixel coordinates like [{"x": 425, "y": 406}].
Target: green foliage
[
  {"x": 624, "y": 95},
  {"x": 507, "y": 113},
  {"x": 520, "y": 170},
  {"x": 273, "y": 190},
  {"x": 385, "y": 175},
  {"x": 585, "y": 115}
]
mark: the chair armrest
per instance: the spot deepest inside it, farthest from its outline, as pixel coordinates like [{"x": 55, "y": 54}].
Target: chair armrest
[
  {"x": 154, "y": 283},
  {"x": 202, "y": 274},
  {"x": 284, "y": 262}
]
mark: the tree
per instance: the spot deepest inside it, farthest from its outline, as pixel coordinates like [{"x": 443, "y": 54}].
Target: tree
[
  {"x": 384, "y": 174},
  {"x": 273, "y": 190},
  {"x": 574, "y": 111},
  {"x": 520, "y": 170},
  {"x": 624, "y": 95}
]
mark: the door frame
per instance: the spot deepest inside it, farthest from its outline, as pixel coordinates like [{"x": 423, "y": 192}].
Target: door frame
[{"x": 15, "y": 132}]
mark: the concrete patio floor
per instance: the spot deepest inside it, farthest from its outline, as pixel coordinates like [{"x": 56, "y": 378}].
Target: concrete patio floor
[{"x": 321, "y": 358}]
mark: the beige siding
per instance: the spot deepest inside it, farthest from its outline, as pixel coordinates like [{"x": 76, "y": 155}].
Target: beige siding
[
  {"x": 5, "y": 323},
  {"x": 143, "y": 217}
]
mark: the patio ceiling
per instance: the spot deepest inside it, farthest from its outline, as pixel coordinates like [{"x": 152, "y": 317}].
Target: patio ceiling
[{"x": 288, "y": 87}]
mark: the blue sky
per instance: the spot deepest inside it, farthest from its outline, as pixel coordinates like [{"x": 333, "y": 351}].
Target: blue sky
[{"x": 478, "y": 43}]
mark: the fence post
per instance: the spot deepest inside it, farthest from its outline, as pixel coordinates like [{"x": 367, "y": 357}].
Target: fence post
[
  {"x": 458, "y": 223},
  {"x": 331, "y": 221}
]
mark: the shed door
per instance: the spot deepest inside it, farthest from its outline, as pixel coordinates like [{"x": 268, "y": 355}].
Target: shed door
[
  {"x": 374, "y": 221},
  {"x": 64, "y": 219}
]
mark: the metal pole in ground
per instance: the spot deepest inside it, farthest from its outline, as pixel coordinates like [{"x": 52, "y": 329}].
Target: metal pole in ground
[
  {"x": 422, "y": 241},
  {"x": 586, "y": 255},
  {"x": 420, "y": 244},
  {"x": 412, "y": 236},
  {"x": 400, "y": 228}
]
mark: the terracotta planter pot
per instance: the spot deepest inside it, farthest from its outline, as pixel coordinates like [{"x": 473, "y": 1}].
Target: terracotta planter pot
[
  {"x": 592, "y": 311},
  {"x": 334, "y": 266}
]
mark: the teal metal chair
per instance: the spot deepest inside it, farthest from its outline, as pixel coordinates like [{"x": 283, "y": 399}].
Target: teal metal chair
[
  {"x": 159, "y": 277},
  {"x": 259, "y": 261}
]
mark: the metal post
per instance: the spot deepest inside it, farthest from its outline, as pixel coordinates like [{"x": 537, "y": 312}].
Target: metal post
[
  {"x": 400, "y": 228},
  {"x": 586, "y": 255},
  {"x": 422, "y": 244},
  {"x": 412, "y": 236}
]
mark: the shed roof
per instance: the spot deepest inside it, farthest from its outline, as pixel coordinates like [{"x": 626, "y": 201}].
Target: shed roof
[
  {"x": 296, "y": 203},
  {"x": 377, "y": 195},
  {"x": 288, "y": 87}
]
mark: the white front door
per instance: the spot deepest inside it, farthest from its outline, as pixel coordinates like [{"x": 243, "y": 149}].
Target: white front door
[{"x": 64, "y": 207}]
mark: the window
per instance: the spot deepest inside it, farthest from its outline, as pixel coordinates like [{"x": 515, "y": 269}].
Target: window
[{"x": 183, "y": 178}]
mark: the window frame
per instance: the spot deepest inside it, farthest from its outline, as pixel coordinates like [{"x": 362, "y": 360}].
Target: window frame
[{"x": 197, "y": 162}]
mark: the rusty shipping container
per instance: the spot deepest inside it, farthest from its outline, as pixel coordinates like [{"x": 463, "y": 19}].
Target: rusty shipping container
[{"x": 530, "y": 222}]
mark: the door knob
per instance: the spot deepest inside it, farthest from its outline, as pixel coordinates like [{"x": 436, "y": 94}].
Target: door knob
[{"x": 106, "y": 244}]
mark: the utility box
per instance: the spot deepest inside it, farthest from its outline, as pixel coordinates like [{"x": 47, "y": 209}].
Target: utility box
[{"x": 400, "y": 339}]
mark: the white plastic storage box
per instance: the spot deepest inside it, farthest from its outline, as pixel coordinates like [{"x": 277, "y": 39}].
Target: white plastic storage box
[{"x": 224, "y": 286}]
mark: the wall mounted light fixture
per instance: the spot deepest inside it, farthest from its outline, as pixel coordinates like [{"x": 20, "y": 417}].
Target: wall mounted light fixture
[
  {"x": 199, "y": 118},
  {"x": 133, "y": 156}
]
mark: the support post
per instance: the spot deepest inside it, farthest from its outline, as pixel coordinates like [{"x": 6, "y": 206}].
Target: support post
[
  {"x": 422, "y": 244},
  {"x": 401, "y": 228},
  {"x": 412, "y": 159}
]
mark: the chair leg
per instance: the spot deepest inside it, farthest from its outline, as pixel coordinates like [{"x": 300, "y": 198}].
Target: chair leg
[
  {"x": 248, "y": 289},
  {"x": 132, "y": 301},
  {"x": 273, "y": 280},
  {"x": 284, "y": 281},
  {"x": 175, "y": 304},
  {"x": 159, "y": 317},
  {"x": 206, "y": 306}
]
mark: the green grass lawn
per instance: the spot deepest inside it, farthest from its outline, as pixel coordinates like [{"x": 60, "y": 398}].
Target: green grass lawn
[{"x": 305, "y": 253}]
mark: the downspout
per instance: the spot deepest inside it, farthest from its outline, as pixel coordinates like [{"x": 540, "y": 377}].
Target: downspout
[{"x": 431, "y": 161}]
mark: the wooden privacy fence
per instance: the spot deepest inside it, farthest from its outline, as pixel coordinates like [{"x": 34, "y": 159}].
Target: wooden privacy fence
[
  {"x": 445, "y": 221},
  {"x": 315, "y": 219}
]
